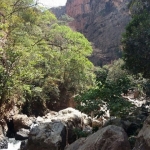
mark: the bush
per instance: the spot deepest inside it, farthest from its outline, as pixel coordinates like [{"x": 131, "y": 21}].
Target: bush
[{"x": 108, "y": 90}]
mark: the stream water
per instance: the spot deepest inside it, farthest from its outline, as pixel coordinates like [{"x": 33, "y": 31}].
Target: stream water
[{"x": 13, "y": 144}]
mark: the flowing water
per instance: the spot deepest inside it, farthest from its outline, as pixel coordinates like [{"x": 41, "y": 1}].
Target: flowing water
[{"x": 13, "y": 144}]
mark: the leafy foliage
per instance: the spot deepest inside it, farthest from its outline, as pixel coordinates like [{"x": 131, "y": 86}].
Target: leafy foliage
[
  {"x": 65, "y": 19},
  {"x": 40, "y": 60},
  {"x": 136, "y": 45},
  {"x": 136, "y": 38},
  {"x": 107, "y": 92},
  {"x": 80, "y": 133},
  {"x": 137, "y": 6}
]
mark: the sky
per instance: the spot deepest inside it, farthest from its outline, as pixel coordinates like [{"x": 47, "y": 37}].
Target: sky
[{"x": 52, "y": 3}]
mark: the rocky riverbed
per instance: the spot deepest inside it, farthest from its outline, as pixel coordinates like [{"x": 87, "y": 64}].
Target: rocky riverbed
[{"x": 71, "y": 129}]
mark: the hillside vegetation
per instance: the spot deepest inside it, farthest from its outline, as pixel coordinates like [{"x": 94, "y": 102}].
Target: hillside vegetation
[{"x": 41, "y": 62}]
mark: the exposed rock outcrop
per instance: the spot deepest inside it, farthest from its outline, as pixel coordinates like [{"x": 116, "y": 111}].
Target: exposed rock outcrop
[
  {"x": 55, "y": 129},
  {"x": 78, "y": 7},
  {"x": 108, "y": 138},
  {"x": 102, "y": 22},
  {"x": 58, "y": 129}
]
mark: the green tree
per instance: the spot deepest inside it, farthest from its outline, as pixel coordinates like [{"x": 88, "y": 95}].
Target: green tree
[
  {"x": 137, "y": 6},
  {"x": 64, "y": 66},
  {"x": 110, "y": 85},
  {"x": 136, "y": 45},
  {"x": 40, "y": 60},
  {"x": 13, "y": 29}
]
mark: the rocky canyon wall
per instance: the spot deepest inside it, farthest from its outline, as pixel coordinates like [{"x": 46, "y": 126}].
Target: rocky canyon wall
[{"x": 102, "y": 22}]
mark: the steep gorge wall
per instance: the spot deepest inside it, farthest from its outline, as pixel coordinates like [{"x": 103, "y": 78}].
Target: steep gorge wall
[{"x": 102, "y": 22}]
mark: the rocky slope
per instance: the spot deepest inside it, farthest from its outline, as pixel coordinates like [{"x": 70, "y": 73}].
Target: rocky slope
[
  {"x": 107, "y": 138},
  {"x": 143, "y": 138},
  {"x": 62, "y": 129},
  {"x": 102, "y": 22}
]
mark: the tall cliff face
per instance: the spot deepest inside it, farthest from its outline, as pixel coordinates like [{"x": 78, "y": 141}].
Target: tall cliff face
[
  {"x": 102, "y": 22},
  {"x": 77, "y": 7}
]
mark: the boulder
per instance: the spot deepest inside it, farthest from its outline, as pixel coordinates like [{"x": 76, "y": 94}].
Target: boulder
[
  {"x": 21, "y": 121},
  {"x": 49, "y": 135},
  {"x": 125, "y": 124},
  {"x": 107, "y": 138},
  {"x": 71, "y": 114},
  {"x": 143, "y": 138},
  {"x": 22, "y": 134},
  {"x": 76, "y": 121}
]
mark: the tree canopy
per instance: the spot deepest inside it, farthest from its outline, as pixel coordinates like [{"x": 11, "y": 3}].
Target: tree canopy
[
  {"x": 111, "y": 82},
  {"x": 40, "y": 60},
  {"x": 137, "y": 6},
  {"x": 136, "y": 43}
]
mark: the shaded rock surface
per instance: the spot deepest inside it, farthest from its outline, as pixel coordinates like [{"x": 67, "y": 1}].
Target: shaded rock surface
[
  {"x": 21, "y": 121},
  {"x": 22, "y": 134},
  {"x": 143, "y": 138},
  {"x": 107, "y": 138},
  {"x": 102, "y": 22},
  {"x": 47, "y": 135}
]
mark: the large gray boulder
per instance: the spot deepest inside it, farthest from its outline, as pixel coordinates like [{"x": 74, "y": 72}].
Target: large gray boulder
[
  {"x": 107, "y": 138},
  {"x": 143, "y": 138},
  {"x": 49, "y": 135}
]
